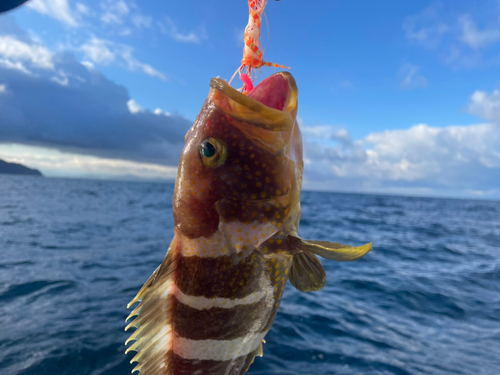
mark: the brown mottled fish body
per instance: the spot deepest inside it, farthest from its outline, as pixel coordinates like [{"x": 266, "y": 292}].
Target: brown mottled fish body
[{"x": 208, "y": 307}]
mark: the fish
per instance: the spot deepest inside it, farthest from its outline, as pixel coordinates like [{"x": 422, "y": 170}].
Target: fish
[{"x": 208, "y": 307}]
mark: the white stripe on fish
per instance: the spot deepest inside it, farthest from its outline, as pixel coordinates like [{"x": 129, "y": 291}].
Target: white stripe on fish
[
  {"x": 217, "y": 350},
  {"x": 201, "y": 303}
]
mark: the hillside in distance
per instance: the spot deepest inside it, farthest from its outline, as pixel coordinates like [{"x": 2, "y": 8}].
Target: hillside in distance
[{"x": 13, "y": 168}]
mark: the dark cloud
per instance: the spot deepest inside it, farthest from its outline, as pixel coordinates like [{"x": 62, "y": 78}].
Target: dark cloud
[{"x": 57, "y": 102}]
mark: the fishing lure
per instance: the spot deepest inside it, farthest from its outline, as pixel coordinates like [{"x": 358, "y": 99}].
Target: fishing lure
[
  {"x": 236, "y": 206},
  {"x": 253, "y": 51}
]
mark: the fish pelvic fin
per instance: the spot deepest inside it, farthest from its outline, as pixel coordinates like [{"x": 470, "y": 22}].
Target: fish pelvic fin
[{"x": 153, "y": 334}]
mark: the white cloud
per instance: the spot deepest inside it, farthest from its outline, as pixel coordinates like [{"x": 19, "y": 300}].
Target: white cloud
[
  {"x": 475, "y": 38},
  {"x": 82, "y": 8},
  {"x": 61, "y": 79},
  {"x": 114, "y": 11},
  {"x": 171, "y": 30},
  {"x": 16, "y": 54},
  {"x": 486, "y": 105},
  {"x": 158, "y": 112},
  {"x": 427, "y": 27},
  {"x": 454, "y": 160},
  {"x": 97, "y": 50},
  {"x": 3, "y": 89},
  {"x": 17, "y": 65},
  {"x": 133, "y": 64},
  {"x": 53, "y": 163},
  {"x": 133, "y": 107},
  {"x": 463, "y": 57},
  {"x": 58, "y": 9},
  {"x": 141, "y": 21},
  {"x": 105, "y": 52},
  {"x": 411, "y": 78},
  {"x": 22, "y": 52},
  {"x": 125, "y": 31},
  {"x": 89, "y": 65},
  {"x": 460, "y": 40}
]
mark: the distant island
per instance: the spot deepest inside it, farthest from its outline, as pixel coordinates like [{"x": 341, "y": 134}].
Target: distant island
[{"x": 13, "y": 168}]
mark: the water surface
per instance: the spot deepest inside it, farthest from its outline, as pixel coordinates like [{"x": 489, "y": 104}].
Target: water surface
[{"x": 73, "y": 253}]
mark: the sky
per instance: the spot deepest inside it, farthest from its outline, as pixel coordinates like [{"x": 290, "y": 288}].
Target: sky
[{"x": 395, "y": 97}]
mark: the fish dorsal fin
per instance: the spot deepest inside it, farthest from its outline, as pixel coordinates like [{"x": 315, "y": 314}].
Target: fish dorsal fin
[
  {"x": 331, "y": 250},
  {"x": 151, "y": 321},
  {"x": 307, "y": 273}
]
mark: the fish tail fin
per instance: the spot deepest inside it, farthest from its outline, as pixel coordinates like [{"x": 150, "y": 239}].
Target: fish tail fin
[{"x": 153, "y": 334}]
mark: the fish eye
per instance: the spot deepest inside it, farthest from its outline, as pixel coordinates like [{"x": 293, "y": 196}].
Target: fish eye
[{"x": 213, "y": 152}]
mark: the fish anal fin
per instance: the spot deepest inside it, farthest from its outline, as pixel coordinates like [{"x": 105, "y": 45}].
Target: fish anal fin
[
  {"x": 259, "y": 352},
  {"x": 307, "y": 273},
  {"x": 331, "y": 250}
]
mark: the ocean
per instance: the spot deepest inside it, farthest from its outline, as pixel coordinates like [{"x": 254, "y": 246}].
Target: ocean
[{"x": 426, "y": 300}]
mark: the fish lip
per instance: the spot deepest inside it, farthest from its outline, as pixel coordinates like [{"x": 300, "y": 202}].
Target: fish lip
[
  {"x": 291, "y": 103},
  {"x": 248, "y": 110}
]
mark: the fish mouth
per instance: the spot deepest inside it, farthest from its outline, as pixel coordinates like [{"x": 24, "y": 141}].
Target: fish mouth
[
  {"x": 275, "y": 91},
  {"x": 271, "y": 105}
]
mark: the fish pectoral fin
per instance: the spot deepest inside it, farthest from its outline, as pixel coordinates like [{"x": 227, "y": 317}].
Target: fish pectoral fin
[
  {"x": 331, "y": 250},
  {"x": 307, "y": 273}
]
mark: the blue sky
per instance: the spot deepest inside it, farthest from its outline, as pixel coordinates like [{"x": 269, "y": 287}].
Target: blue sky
[{"x": 396, "y": 97}]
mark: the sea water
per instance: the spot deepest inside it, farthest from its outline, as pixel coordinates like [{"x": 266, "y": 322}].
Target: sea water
[{"x": 426, "y": 300}]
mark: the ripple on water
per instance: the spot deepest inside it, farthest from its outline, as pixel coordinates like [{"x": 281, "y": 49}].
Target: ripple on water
[{"x": 17, "y": 291}]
